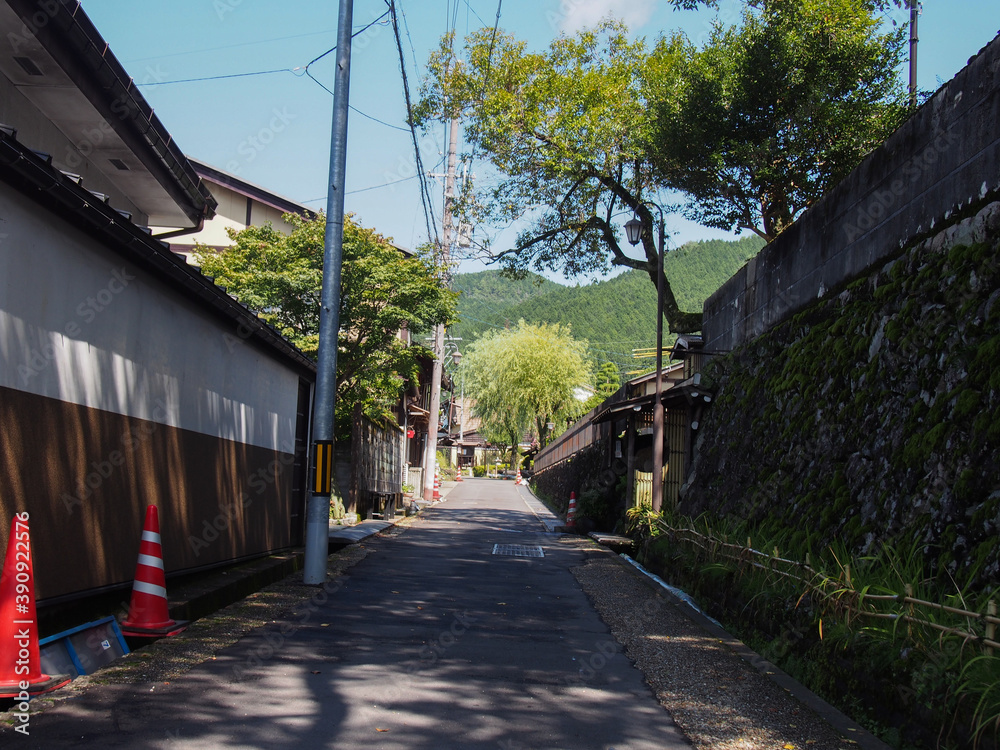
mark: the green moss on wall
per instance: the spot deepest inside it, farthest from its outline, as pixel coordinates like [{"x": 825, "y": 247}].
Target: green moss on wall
[{"x": 874, "y": 414}]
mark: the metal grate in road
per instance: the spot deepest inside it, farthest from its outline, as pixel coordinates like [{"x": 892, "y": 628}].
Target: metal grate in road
[{"x": 518, "y": 550}]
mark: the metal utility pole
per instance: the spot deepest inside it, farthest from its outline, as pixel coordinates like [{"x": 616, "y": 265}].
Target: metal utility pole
[
  {"x": 318, "y": 509},
  {"x": 657, "y": 501},
  {"x": 634, "y": 230},
  {"x": 430, "y": 454},
  {"x": 914, "y": 14}
]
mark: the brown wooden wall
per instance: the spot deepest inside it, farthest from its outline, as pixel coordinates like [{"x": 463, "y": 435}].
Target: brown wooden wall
[{"x": 85, "y": 476}]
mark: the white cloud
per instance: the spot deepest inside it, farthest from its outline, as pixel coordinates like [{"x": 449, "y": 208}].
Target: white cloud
[{"x": 574, "y": 15}]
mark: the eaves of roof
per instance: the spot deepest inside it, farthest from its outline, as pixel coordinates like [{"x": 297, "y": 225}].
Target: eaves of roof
[
  {"x": 35, "y": 177},
  {"x": 73, "y": 41},
  {"x": 685, "y": 393},
  {"x": 250, "y": 190}
]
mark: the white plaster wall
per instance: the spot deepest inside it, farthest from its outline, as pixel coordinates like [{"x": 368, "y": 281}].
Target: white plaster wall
[
  {"x": 80, "y": 324},
  {"x": 262, "y": 213}
]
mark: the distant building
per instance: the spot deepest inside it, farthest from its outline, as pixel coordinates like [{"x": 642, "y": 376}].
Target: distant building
[{"x": 241, "y": 204}]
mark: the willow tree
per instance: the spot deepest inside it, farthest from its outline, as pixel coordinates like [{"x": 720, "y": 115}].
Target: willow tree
[{"x": 521, "y": 379}]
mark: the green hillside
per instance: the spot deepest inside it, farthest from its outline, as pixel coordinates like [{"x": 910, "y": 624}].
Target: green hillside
[
  {"x": 614, "y": 316},
  {"x": 487, "y": 295}
]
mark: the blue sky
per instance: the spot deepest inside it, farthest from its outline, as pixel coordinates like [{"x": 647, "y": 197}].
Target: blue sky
[{"x": 274, "y": 129}]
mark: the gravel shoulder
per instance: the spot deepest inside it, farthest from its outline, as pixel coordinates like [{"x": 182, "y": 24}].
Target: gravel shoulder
[{"x": 717, "y": 698}]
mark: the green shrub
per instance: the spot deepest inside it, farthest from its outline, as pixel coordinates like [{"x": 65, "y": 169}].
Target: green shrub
[{"x": 479, "y": 471}]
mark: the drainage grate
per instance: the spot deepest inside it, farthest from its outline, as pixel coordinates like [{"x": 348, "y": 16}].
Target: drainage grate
[{"x": 518, "y": 550}]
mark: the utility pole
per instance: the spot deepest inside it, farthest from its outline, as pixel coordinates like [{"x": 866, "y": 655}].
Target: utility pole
[
  {"x": 430, "y": 454},
  {"x": 914, "y": 14},
  {"x": 318, "y": 508}
]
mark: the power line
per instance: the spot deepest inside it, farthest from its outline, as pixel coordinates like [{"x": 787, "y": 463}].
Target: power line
[
  {"x": 227, "y": 46},
  {"x": 493, "y": 39},
  {"x": 334, "y": 47},
  {"x": 219, "y": 78},
  {"x": 469, "y": 6},
  {"x": 384, "y": 184},
  {"x": 380, "y": 122},
  {"x": 424, "y": 193},
  {"x": 489, "y": 62},
  {"x": 305, "y": 69}
]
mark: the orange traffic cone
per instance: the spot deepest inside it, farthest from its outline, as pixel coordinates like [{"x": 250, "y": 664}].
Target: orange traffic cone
[
  {"x": 571, "y": 513},
  {"x": 437, "y": 484},
  {"x": 147, "y": 612},
  {"x": 21, "y": 673},
  {"x": 518, "y": 479},
  {"x": 458, "y": 476}
]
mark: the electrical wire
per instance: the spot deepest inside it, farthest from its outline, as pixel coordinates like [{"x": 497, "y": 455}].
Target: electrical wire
[
  {"x": 469, "y": 6},
  {"x": 489, "y": 62},
  {"x": 227, "y": 46},
  {"x": 219, "y": 78},
  {"x": 334, "y": 47},
  {"x": 294, "y": 71},
  {"x": 432, "y": 233},
  {"x": 380, "y": 122},
  {"x": 384, "y": 184},
  {"x": 493, "y": 39}
]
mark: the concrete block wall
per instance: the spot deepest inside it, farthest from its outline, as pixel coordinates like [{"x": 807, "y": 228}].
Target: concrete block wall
[{"x": 941, "y": 165}]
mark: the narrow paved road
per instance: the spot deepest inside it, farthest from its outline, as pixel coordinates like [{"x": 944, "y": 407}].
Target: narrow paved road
[{"x": 432, "y": 641}]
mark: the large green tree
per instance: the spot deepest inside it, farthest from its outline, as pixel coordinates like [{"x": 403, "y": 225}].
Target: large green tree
[
  {"x": 582, "y": 134},
  {"x": 522, "y": 378},
  {"x": 771, "y": 113},
  {"x": 564, "y": 130},
  {"x": 383, "y": 290}
]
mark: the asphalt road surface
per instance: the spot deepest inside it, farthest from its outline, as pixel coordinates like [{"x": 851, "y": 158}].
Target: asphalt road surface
[{"x": 437, "y": 639}]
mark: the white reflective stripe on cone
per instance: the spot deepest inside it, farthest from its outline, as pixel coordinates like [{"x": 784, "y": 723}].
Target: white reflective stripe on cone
[
  {"x": 149, "y": 588},
  {"x": 153, "y": 562}
]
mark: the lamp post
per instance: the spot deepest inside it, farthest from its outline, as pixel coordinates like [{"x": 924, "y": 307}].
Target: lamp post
[{"x": 633, "y": 230}]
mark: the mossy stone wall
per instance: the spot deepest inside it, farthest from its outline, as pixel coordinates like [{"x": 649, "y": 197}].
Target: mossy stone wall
[{"x": 874, "y": 414}]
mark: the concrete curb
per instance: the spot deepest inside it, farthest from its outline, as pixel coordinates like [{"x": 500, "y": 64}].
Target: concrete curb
[{"x": 208, "y": 594}]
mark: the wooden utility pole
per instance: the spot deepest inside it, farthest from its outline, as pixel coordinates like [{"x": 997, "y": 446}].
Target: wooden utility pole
[{"x": 430, "y": 452}]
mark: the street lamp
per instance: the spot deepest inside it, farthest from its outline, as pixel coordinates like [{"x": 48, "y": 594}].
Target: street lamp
[{"x": 634, "y": 230}]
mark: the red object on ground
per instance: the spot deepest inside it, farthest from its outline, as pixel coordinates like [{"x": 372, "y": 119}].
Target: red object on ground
[
  {"x": 437, "y": 484},
  {"x": 21, "y": 673},
  {"x": 571, "y": 513},
  {"x": 147, "y": 612}
]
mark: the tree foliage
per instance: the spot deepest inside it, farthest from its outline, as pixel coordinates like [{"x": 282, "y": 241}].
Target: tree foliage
[
  {"x": 607, "y": 381},
  {"x": 772, "y": 113},
  {"x": 382, "y": 291},
  {"x": 522, "y": 378},
  {"x": 583, "y": 134},
  {"x": 565, "y": 131}
]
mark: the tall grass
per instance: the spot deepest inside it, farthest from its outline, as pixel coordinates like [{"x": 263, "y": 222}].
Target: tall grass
[{"x": 869, "y": 600}]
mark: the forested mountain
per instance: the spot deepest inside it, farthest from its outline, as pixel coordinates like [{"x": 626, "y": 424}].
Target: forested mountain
[{"x": 614, "y": 316}]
